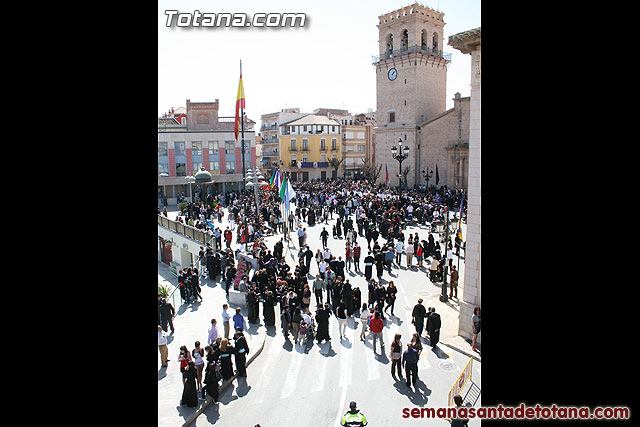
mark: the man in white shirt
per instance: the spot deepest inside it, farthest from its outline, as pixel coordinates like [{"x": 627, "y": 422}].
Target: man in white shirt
[
  {"x": 226, "y": 318},
  {"x": 322, "y": 268},
  {"x": 162, "y": 346},
  {"x": 409, "y": 251},
  {"x": 326, "y": 254},
  {"x": 213, "y": 332},
  {"x": 399, "y": 247}
]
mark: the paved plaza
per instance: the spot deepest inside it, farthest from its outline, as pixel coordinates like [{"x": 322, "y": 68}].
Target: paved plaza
[{"x": 322, "y": 378}]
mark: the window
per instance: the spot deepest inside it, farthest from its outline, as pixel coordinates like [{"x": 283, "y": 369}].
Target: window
[
  {"x": 196, "y": 148},
  {"x": 163, "y": 149},
  {"x": 163, "y": 168},
  {"x": 392, "y": 116},
  {"x": 435, "y": 41},
  {"x": 214, "y": 166},
  {"x": 334, "y": 144},
  {"x": 304, "y": 128},
  {"x": 305, "y": 144},
  {"x": 213, "y": 147},
  {"x": 231, "y": 167},
  {"x": 323, "y": 158},
  {"x": 320, "y": 128},
  {"x": 323, "y": 144},
  {"x": 230, "y": 146},
  {"x": 360, "y": 148},
  {"x": 293, "y": 145},
  {"x": 305, "y": 158},
  {"x": 196, "y": 166},
  {"x": 179, "y": 148},
  {"x": 181, "y": 169}
]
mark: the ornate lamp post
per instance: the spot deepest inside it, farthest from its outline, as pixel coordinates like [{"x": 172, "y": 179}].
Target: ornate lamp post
[
  {"x": 400, "y": 153},
  {"x": 427, "y": 175}
]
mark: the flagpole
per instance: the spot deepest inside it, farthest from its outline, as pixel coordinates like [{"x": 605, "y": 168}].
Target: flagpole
[{"x": 246, "y": 210}]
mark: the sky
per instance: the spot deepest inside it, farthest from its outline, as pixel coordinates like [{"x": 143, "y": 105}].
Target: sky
[{"x": 325, "y": 64}]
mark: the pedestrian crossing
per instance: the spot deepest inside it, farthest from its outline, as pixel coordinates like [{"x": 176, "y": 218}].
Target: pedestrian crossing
[{"x": 287, "y": 369}]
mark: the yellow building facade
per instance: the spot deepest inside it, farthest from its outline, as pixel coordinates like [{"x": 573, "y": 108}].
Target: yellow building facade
[{"x": 307, "y": 146}]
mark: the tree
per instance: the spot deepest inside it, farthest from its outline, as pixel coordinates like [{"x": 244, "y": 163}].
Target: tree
[
  {"x": 371, "y": 171},
  {"x": 335, "y": 164},
  {"x": 405, "y": 172}
]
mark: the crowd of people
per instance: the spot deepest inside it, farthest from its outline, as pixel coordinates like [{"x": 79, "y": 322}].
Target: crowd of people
[{"x": 380, "y": 215}]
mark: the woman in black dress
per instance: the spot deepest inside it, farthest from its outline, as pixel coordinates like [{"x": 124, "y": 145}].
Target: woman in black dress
[
  {"x": 211, "y": 382},
  {"x": 189, "y": 392},
  {"x": 268, "y": 309},
  {"x": 223, "y": 353}
]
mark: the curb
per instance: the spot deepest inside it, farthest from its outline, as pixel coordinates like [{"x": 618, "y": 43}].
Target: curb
[
  {"x": 465, "y": 352},
  {"x": 223, "y": 386}
]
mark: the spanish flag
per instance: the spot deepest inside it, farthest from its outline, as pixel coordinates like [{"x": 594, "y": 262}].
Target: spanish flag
[{"x": 239, "y": 103}]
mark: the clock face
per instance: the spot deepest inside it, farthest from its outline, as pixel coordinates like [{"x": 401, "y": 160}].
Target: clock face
[{"x": 393, "y": 73}]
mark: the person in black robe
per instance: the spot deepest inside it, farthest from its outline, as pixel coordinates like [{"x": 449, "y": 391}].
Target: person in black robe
[
  {"x": 216, "y": 266},
  {"x": 223, "y": 353},
  {"x": 253, "y": 307},
  {"x": 379, "y": 258},
  {"x": 322, "y": 318},
  {"x": 381, "y": 295},
  {"x": 211, "y": 267},
  {"x": 268, "y": 309},
  {"x": 211, "y": 382},
  {"x": 338, "y": 228},
  {"x": 357, "y": 298},
  {"x": 418, "y": 314},
  {"x": 368, "y": 267},
  {"x": 372, "y": 292},
  {"x": 189, "y": 391},
  {"x": 242, "y": 349},
  {"x": 347, "y": 297},
  {"x": 433, "y": 326}
]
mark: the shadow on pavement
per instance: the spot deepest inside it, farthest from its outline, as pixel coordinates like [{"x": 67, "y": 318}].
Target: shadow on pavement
[{"x": 416, "y": 394}]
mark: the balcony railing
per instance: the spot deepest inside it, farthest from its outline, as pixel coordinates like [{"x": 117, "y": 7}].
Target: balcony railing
[
  {"x": 185, "y": 230},
  {"x": 411, "y": 49}
]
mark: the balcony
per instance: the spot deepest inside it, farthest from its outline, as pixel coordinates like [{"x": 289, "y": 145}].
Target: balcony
[
  {"x": 412, "y": 49},
  {"x": 293, "y": 149}
]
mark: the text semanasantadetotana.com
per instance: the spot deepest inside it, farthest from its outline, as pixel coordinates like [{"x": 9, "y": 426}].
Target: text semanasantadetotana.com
[{"x": 521, "y": 412}]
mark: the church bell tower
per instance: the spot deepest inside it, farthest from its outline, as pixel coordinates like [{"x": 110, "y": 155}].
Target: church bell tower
[{"x": 411, "y": 77}]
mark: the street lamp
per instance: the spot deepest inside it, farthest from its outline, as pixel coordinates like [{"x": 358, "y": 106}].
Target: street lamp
[
  {"x": 454, "y": 223},
  {"x": 400, "y": 153},
  {"x": 427, "y": 175},
  {"x": 190, "y": 179},
  {"x": 443, "y": 295}
]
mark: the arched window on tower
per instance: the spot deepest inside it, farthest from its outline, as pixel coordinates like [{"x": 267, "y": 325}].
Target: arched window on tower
[
  {"x": 423, "y": 40},
  {"x": 390, "y": 45},
  {"x": 435, "y": 42},
  {"x": 404, "y": 40}
]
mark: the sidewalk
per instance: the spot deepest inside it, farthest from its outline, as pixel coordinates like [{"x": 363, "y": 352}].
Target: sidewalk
[{"x": 191, "y": 324}]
